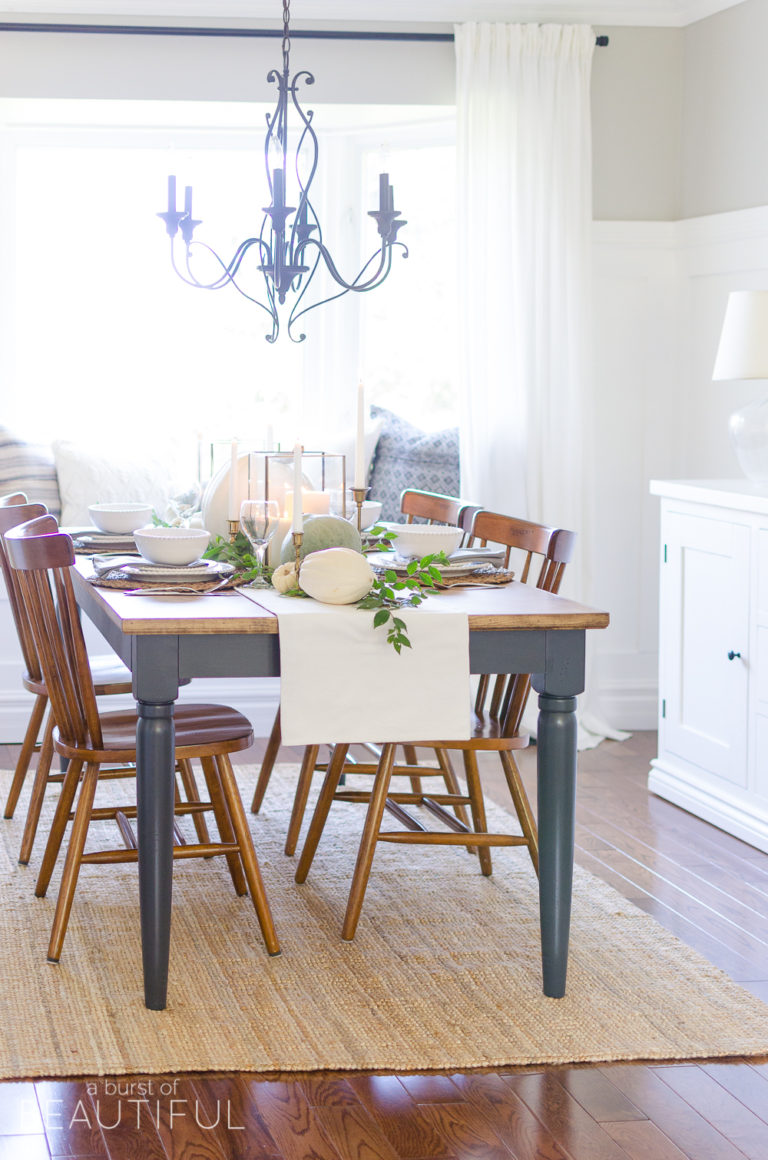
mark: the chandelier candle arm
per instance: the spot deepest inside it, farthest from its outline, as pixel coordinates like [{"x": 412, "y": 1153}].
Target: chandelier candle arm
[{"x": 287, "y": 231}]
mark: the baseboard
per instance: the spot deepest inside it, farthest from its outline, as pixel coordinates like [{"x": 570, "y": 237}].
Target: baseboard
[
  {"x": 256, "y": 699},
  {"x": 626, "y": 704},
  {"x": 748, "y": 821}
]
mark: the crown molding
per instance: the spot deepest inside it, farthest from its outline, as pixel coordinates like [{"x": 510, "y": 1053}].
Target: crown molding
[{"x": 654, "y": 13}]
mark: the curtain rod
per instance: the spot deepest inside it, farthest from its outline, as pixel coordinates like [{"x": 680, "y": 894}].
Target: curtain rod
[{"x": 165, "y": 30}]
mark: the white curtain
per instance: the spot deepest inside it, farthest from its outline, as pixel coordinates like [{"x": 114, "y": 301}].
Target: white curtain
[{"x": 525, "y": 214}]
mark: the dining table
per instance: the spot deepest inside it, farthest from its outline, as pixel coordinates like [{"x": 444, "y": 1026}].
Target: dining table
[{"x": 167, "y": 639}]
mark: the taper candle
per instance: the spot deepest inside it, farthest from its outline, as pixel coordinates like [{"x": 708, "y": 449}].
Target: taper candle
[
  {"x": 233, "y": 511},
  {"x": 360, "y": 442},
  {"x": 297, "y": 516}
]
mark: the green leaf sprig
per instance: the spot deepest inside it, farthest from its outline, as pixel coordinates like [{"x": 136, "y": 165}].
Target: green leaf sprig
[
  {"x": 391, "y": 592},
  {"x": 237, "y": 553}
]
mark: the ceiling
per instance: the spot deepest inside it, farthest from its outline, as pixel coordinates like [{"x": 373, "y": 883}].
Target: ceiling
[{"x": 666, "y": 13}]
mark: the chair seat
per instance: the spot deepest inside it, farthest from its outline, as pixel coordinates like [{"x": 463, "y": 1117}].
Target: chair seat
[
  {"x": 486, "y": 733},
  {"x": 196, "y": 728}
]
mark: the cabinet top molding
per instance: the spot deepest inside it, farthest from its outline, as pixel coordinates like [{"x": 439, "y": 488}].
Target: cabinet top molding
[{"x": 740, "y": 494}]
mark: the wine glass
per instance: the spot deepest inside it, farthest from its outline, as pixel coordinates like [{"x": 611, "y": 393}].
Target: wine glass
[{"x": 259, "y": 519}]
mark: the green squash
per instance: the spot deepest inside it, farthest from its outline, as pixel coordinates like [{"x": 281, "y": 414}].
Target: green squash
[{"x": 322, "y": 532}]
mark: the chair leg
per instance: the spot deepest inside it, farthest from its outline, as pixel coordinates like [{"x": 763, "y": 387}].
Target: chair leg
[
  {"x": 58, "y": 826},
  {"x": 72, "y": 862},
  {"x": 412, "y": 758},
  {"x": 368, "y": 842},
  {"x": 25, "y": 756},
  {"x": 267, "y": 765},
  {"x": 223, "y": 821},
  {"x": 522, "y": 805},
  {"x": 451, "y": 784},
  {"x": 308, "y": 763},
  {"x": 187, "y": 776},
  {"x": 248, "y": 854},
  {"x": 317, "y": 825},
  {"x": 38, "y": 792},
  {"x": 477, "y": 805}
]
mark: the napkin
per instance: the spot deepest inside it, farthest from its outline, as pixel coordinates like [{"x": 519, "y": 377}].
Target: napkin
[{"x": 342, "y": 681}]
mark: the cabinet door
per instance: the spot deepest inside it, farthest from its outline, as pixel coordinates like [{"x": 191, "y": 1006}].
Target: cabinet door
[{"x": 704, "y": 616}]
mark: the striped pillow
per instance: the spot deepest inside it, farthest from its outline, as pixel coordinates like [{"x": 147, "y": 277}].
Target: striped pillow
[{"x": 28, "y": 468}]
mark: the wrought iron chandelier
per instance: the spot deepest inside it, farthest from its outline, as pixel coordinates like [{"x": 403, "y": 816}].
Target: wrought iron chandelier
[{"x": 289, "y": 251}]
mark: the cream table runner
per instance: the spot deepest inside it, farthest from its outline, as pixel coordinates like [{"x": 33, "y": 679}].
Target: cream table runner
[{"x": 342, "y": 681}]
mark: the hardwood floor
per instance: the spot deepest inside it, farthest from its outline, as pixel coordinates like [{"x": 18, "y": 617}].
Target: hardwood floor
[{"x": 708, "y": 888}]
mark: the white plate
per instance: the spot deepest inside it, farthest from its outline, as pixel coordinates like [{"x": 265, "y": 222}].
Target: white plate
[
  {"x": 163, "y": 573},
  {"x": 388, "y": 560}
]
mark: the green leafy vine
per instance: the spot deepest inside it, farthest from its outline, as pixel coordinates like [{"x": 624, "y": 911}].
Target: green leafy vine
[
  {"x": 391, "y": 592},
  {"x": 237, "y": 553}
]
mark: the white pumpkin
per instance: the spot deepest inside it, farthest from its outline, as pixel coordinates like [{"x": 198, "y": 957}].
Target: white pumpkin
[
  {"x": 284, "y": 577},
  {"x": 336, "y": 576}
]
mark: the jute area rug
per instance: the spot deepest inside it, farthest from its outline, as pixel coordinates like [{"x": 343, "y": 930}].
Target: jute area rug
[{"x": 444, "y": 972}]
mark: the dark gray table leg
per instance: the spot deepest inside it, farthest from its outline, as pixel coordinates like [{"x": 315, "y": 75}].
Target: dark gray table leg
[
  {"x": 556, "y": 762},
  {"x": 155, "y": 800},
  {"x": 556, "y": 744}
]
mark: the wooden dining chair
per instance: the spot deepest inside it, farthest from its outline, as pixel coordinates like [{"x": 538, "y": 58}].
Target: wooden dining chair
[
  {"x": 42, "y": 558},
  {"x": 110, "y": 677},
  {"x": 435, "y": 509},
  {"x": 540, "y": 554}
]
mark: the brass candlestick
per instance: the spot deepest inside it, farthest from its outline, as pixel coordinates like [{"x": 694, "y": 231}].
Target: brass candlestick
[
  {"x": 234, "y": 527},
  {"x": 297, "y": 538},
  {"x": 359, "y": 494}
]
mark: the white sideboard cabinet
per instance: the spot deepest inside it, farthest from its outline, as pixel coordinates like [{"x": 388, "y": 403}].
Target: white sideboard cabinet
[{"x": 713, "y": 653}]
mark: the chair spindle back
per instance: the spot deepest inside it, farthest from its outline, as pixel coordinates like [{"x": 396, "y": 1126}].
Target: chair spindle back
[
  {"x": 544, "y": 553},
  {"x": 15, "y": 510},
  {"x": 42, "y": 558},
  {"x": 437, "y": 509}
]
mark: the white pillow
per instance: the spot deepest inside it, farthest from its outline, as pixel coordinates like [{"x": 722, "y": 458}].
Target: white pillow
[{"x": 87, "y": 476}]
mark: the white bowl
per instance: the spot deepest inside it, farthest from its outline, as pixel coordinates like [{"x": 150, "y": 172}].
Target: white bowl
[
  {"x": 171, "y": 545},
  {"x": 369, "y": 515},
  {"x": 423, "y": 539},
  {"x": 119, "y": 518}
]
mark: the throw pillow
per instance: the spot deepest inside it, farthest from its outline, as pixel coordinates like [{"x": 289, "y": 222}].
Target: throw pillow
[
  {"x": 29, "y": 468},
  {"x": 408, "y": 457},
  {"x": 87, "y": 477}
]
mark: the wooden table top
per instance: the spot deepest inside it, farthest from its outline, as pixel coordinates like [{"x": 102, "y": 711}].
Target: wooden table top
[{"x": 507, "y": 607}]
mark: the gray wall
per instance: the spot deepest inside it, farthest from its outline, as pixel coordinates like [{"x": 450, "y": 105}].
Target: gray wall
[{"x": 725, "y": 111}]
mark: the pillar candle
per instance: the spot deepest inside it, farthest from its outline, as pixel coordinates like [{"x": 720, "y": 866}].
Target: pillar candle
[
  {"x": 313, "y": 503},
  {"x": 360, "y": 442},
  {"x": 297, "y": 517},
  {"x": 232, "y": 508}
]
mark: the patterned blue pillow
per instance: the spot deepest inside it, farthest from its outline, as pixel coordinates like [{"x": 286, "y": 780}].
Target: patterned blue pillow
[{"x": 407, "y": 457}]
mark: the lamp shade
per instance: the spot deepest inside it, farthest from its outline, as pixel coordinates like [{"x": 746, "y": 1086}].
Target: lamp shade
[{"x": 743, "y": 350}]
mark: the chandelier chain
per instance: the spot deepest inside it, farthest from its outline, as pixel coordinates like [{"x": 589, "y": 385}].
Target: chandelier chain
[{"x": 286, "y": 33}]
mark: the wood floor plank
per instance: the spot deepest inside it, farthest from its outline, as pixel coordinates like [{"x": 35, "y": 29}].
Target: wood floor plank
[
  {"x": 723, "y": 1111},
  {"x": 68, "y": 1119},
  {"x": 674, "y": 1116},
  {"x": 466, "y": 1130},
  {"x": 512, "y": 1120},
  {"x": 292, "y": 1123},
  {"x": 403, "y": 1123},
  {"x": 597, "y": 1095},
  {"x": 577, "y": 1133},
  {"x": 430, "y": 1089},
  {"x": 354, "y": 1134},
  {"x": 243, "y": 1131},
  {"x": 123, "y": 1110},
  {"x": 323, "y": 1090},
  {"x": 183, "y": 1126},
  {"x": 642, "y": 1140},
  {"x": 747, "y": 1084}
]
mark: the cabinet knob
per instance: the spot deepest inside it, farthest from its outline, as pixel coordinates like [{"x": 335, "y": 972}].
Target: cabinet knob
[{"x": 732, "y": 655}]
